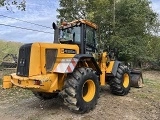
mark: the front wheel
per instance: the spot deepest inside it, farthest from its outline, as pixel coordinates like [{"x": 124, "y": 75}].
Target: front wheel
[
  {"x": 120, "y": 84},
  {"x": 81, "y": 90}
]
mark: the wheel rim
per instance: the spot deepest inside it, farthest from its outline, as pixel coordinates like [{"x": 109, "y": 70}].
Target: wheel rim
[
  {"x": 88, "y": 90},
  {"x": 125, "y": 80}
]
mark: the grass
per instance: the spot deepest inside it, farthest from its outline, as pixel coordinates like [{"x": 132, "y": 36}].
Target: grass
[
  {"x": 8, "y": 47},
  {"x": 153, "y": 83},
  {"x": 150, "y": 91}
]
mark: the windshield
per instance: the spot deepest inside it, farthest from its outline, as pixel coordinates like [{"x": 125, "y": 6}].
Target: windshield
[{"x": 70, "y": 34}]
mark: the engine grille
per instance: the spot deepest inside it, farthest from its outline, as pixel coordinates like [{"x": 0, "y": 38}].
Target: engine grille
[
  {"x": 24, "y": 60},
  {"x": 51, "y": 55}
]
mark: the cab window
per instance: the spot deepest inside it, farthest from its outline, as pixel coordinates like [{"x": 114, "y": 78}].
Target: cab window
[{"x": 90, "y": 40}]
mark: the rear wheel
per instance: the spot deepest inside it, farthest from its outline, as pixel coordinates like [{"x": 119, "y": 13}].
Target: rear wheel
[
  {"x": 81, "y": 90},
  {"x": 45, "y": 96},
  {"x": 120, "y": 84}
]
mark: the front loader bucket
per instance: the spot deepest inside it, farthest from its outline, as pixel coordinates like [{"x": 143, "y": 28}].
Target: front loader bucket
[{"x": 136, "y": 78}]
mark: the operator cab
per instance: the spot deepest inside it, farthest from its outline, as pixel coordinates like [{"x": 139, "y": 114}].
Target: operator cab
[{"x": 80, "y": 32}]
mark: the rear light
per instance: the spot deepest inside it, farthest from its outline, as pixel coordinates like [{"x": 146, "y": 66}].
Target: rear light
[{"x": 37, "y": 82}]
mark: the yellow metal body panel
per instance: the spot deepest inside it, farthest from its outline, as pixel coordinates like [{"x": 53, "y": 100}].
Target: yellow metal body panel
[
  {"x": 102, "y": 65},
  {"x": 60, "y": 55},
  {"x": 35, "y": 64},
  {"x": 7, "y": 82},
  {"x": 103, "y": 59},
  {"x": 50, "y": 81},
  {"x": 38, "y": 58},
  {"x": 110, "y": 67}
]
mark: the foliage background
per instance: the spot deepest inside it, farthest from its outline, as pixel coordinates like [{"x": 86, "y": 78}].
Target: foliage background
[{"x": 131, "y": 26}]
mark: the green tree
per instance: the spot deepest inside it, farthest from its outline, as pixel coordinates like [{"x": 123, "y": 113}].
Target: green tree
[
  {"x": 21, "y": 5},
  {"x": 124, "y": 24},
  {"x": 98, "y": 11},
  {"x": 72, "y": 9},
  {"x": 135, "y": 21}
]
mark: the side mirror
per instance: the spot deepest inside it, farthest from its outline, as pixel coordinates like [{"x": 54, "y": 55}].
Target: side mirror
[{"x": 54, "y": 26}]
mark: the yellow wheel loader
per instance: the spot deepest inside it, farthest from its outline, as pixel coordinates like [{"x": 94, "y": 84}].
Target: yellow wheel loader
[{"x": 71, "y": 67}]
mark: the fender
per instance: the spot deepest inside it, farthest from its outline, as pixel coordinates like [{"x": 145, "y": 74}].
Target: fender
[
  {"x": 115, "y": 67},
  {"x": 89, "y": 58},
  {"x": 68, "y": 65}
]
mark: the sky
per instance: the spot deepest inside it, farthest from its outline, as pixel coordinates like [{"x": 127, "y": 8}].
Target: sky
[{"x": 41, "y": 12}]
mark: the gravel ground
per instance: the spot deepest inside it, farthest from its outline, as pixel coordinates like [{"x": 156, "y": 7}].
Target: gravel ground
[{"x": 139, "y": 104}]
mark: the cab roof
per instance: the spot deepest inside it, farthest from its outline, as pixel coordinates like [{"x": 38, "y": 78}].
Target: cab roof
[{"x": 75, "y": 22}]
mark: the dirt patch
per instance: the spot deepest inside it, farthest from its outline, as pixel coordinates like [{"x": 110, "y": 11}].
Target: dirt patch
[{"x": 139, "y": 104}]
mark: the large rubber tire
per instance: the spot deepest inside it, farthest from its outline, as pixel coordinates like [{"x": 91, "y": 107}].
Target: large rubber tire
[
  {"x": 120, "y": 84},
  {"x": 81, "y": 90},
  {"x": 45, "y": 96}
]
